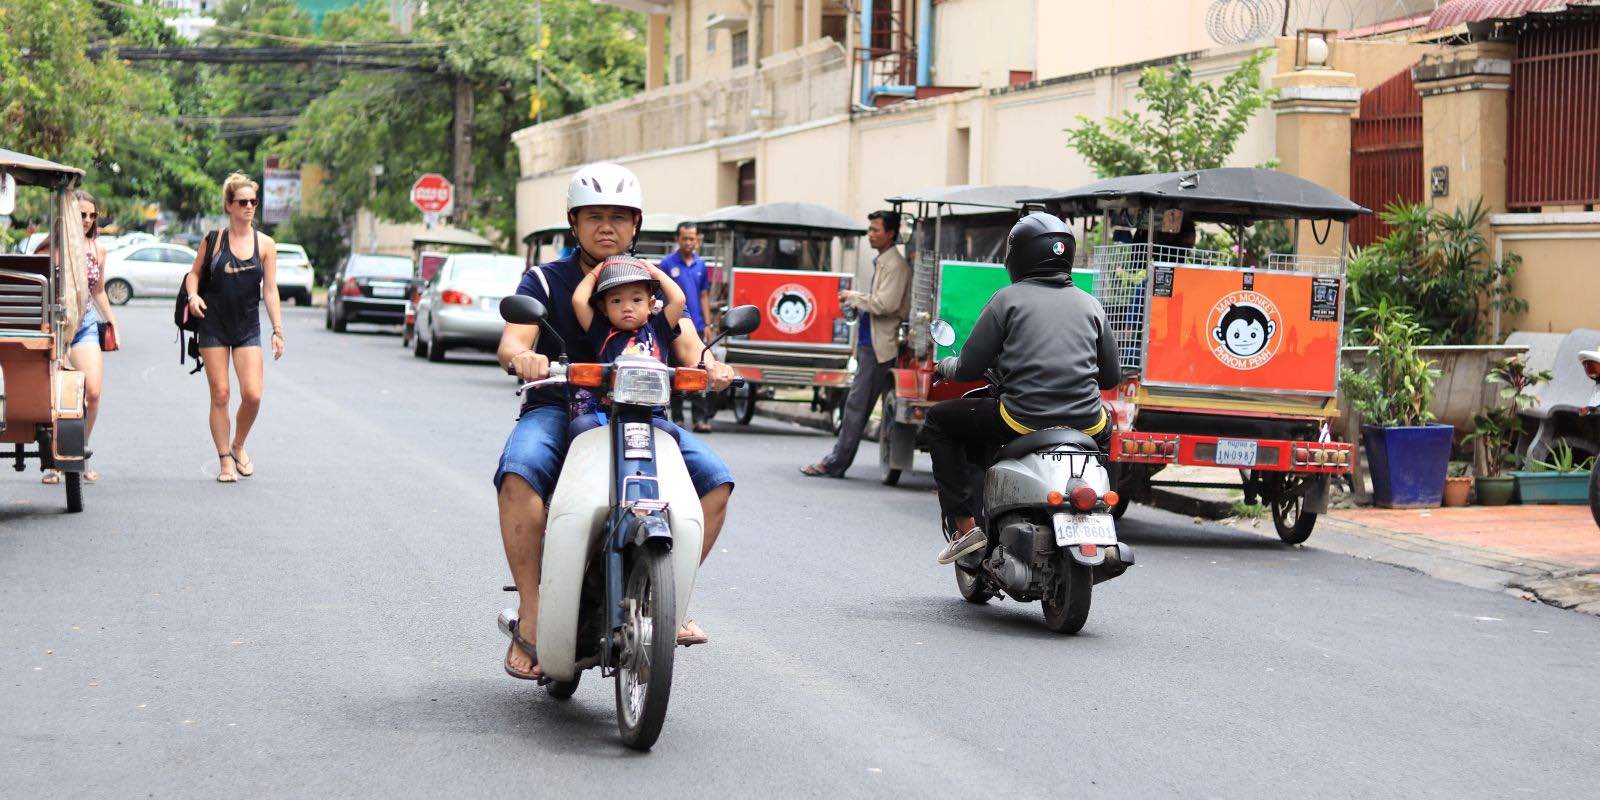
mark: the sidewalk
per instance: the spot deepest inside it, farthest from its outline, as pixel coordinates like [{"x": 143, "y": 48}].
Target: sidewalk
[{"x": 1541, "y": 552}]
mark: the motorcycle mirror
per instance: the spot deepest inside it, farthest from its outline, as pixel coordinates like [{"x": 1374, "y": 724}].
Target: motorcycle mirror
[
  {"x": 520, "y": 309},
  {"x": 944, "y": 334},
  {"x": 741, "y": 320}
]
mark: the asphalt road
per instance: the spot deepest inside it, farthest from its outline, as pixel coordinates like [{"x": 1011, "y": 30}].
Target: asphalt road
[{"x": 327, "y": 628}]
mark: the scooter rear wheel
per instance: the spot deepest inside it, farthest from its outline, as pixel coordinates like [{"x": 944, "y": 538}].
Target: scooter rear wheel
[
  {"x": 649, "y": 639},
  {"x": 974, "y": 588},
  {"x": 1066, "y": 601},
  {"x": 561, "y": 690}
]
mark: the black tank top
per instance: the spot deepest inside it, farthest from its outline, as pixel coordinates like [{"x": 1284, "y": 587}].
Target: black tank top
[{"x": 233, "y": 295}]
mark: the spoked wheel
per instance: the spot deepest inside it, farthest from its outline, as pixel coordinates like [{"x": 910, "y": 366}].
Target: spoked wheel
[
  {"x": 744, "y": 403},
  {"x": 561, "y": 690},
  {"x": 1288, "y": 500},
  {"x": 74, "y": 483},
  {"x": 648, "y": 637},
  {"x": 887, "y": 473},
  {"x": 1066, "y": 601}
]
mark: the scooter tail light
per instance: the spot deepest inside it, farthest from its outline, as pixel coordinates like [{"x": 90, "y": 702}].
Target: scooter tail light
[
  {"x": 1112, "y": 498},
  {"x": 1089, "y": 550},
  {"x": 589, "y": 376},
  {"x": 1084, "y": 498},
  {"x": 688, "y": 379},
  {"x": 1055, "y": 498}
]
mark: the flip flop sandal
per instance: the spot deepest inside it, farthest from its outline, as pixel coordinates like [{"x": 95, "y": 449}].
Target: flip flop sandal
[
  {"x": 815, "y": 471},
  {"x": 51, "y": 477},
  {"x": 245, "y": 468},
  {"x": 519, "y": 642},
  {"x": 223, "y": 477},
  {"x": 692, "y": 639}
]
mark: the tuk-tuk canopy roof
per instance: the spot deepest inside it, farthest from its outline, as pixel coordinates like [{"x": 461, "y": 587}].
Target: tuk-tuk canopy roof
[
  {"x": 798, "y": 216},
  {"x": 974, "y": 197},
  {"x": 1229, "y": 194},
  {"x": 452, "y": 236},
  {"x": 31, "y": 171},
  {"x": 653, "y": 223}
]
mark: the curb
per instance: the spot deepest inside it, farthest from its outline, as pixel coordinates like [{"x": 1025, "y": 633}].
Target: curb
[{"x": 1188, "y": 505}]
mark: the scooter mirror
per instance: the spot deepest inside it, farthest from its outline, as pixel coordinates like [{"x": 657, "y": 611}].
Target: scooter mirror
[
  {"x": 741, "y": 320},
  {"x": 944, "y": 334},
  {"x": 520, "y": 309}
]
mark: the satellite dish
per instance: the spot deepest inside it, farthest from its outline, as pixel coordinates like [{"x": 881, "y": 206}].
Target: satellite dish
[{"x": 8, "y": 194}]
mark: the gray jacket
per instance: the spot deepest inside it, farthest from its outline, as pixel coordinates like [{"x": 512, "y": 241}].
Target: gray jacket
[{"x": 1053, "y": 350}]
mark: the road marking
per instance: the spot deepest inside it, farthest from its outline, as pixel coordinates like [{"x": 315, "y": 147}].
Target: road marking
[{"x": 1488, "y": 619}]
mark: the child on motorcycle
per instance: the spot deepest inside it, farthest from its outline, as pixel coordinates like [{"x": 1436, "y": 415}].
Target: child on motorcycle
[{"x": 615, "y": 306}]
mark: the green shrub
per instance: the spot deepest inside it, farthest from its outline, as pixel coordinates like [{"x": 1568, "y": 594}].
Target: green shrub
[{"x": 1396, "y": 387}]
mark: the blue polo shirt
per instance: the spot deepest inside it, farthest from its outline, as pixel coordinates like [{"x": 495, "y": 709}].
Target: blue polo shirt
[
  {"x": 562, "y": 276},
  {"x": 691, "y": 278}
]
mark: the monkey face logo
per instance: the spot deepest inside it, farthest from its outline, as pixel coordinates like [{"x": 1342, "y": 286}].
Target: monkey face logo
[
  {"x": 792, "y": 308},
  {"x": 1244, "y": 330}
]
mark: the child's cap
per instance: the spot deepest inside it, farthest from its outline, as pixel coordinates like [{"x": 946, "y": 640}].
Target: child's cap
[{"x": 622, "y": 270}]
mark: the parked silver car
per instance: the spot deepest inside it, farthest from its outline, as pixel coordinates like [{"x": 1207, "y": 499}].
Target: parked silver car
[
  {"x": 146, "y": 270},
  {"x": 460, "y": 306}
]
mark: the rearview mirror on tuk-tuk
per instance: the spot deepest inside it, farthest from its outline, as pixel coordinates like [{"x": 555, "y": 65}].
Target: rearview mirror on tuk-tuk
[
  {"x": 741, "y": 320},
  {"x": 943, "y": 333},
  {"x": 520, "y": 309}
]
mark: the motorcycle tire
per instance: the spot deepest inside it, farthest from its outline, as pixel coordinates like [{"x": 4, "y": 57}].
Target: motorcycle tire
[
  {"x": 74, "y": 483},
  {"x": 974, "y": 588},
  {"x": 744, "y": 403},
  {"x": 649, "y": 639},
  {"x": 1066, "y": 604},
  {"x": 1594, "y": 494},
  {"x": 1289, "y": 516},
  {"x": 562, "y": 690}
]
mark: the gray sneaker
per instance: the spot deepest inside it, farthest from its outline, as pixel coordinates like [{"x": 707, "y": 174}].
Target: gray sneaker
[{"x": 969, "y": 542}]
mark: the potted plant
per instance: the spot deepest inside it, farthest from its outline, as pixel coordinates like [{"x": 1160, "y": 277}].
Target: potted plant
[
  {"x": 1407, "y": 453},
  {"x": 1458, "y": 485},
  {"x": 1562, "y": 479},
  {"x": 1497, "y": 430}
]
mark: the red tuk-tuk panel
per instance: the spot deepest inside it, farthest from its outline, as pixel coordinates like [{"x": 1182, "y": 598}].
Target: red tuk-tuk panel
[
  {"x": 1240, "y": 329},
  {"x": 796, "y": 307}
]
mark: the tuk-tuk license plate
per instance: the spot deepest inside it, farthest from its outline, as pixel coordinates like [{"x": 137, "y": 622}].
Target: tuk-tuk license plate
[
  {"x": 1236, "y": 453},
  {"x": 1076, "y": 529}
]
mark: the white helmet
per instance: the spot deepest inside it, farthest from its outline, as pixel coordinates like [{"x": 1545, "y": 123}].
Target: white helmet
[{"x": 605, "y": 184}]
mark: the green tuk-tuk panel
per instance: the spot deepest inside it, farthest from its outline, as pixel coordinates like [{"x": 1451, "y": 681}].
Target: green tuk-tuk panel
[{"x": 965, "y": 288}]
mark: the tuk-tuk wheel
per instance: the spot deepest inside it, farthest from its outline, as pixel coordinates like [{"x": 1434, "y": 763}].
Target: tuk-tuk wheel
[
  {"x": 74, "y": 484},
  {"x": 1289, "y": 516},
  {"x": 744, "y": 402}
]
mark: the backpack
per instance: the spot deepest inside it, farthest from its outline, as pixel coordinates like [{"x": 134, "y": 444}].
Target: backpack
[{"x": 180, "y": 312}]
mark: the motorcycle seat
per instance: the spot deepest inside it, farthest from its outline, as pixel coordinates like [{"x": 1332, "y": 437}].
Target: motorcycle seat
[{"x": 1046, "y": 439}]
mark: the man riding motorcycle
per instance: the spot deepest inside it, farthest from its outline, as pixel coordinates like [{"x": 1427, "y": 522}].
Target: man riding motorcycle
[
  {"x": 605, "y": 206},
  {"x": 1052, "y": 350}
]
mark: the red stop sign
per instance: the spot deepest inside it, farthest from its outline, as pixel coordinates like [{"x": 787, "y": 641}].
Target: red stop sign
[{"x": 431, "y": 193}]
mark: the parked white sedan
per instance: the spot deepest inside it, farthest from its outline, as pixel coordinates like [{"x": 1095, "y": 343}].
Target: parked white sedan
[
  {"x": 151, "y": 270},
  {"x": 294, "y": 274}
]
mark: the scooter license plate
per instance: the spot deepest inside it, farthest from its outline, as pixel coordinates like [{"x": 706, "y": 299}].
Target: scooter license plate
[
  {"x": 1076, "y": 529},
  {"x": 1236, "y": 453}
]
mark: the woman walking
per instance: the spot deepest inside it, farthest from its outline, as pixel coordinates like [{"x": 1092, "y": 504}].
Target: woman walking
[
  {"x": 98, "y": 325},
  {"x": 243, "y": 270}
]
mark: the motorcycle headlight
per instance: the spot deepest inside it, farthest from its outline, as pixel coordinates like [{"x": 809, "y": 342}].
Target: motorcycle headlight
[{"x": 641, "y": 386}]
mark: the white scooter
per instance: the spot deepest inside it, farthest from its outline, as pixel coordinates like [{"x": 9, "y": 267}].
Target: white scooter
[{"x": 620, "y": 555}]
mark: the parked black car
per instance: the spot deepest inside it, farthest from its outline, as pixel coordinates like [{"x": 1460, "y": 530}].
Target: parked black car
[{"x": 368, "y": 288}]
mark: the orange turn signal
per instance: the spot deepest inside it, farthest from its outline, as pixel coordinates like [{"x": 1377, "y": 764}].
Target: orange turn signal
[
  {"x": 689, "y": 379},
  {"x": 1055, "y": 498},
  {"x": 1112, "y": 498},
  {"x": 589, "y": 376}
]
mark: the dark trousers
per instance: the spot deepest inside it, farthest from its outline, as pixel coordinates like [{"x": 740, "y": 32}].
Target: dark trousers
[
  {"x": 699, "y": 407},
  {"x": 872, "y": 379},
  {"x": 963, "y": 436}
]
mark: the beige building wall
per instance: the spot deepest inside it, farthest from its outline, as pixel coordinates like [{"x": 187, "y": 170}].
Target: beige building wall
[
  {"x": 1560, "y": 271},
  {"x": 979, "y": 42}
]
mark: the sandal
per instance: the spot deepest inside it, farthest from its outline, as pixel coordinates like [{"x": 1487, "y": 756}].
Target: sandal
[
  {"x": 226, "y": 477},
  {"x": 90, "y": 476},
  {"x": 245, "y": 468},
  {"x": 816, "y": 471},
  {"x": 686, "y": 638},
  {"x": 519, "y": 642},
  {"x": 704, "y": 427},
  {"x": 51, "y": 477}
]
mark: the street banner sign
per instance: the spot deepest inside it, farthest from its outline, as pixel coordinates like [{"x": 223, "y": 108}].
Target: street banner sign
[
  {"x": 280, "y": 190},
  {"x": 431, "y": 193}
]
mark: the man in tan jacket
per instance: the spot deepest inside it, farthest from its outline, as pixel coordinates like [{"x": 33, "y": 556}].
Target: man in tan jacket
[{"x": 878, "y": 343}]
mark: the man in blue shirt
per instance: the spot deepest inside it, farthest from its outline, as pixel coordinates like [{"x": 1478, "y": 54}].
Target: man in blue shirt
[{"x": 688, "y": 269}]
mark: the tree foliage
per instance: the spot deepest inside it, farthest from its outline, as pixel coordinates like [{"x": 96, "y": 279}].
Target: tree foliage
[{"x": 1191, "y": 123}]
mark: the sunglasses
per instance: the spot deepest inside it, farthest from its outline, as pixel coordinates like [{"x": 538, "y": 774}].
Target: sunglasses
[
  {"x": 247, "y": 202},
  {"x": 91, "y": 216}
]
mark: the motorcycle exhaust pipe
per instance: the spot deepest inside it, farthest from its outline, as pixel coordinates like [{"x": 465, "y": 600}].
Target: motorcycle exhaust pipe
[{"x": 507, "y": 617}]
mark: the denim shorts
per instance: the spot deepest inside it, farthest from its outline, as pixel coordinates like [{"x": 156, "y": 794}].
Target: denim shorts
[
  {"x": 88, "y": 329},
  {"x": 538, "y": 444}
]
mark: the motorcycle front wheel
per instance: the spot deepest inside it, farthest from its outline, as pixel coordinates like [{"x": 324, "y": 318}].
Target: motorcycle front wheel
[
  {"x": 649, "y": 638},
  {"x": 1066, "y": 600}
]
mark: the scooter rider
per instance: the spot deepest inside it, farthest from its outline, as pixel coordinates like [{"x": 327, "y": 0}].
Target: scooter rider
[
  {"x": 605, "y": 206},
  {"x": 1053, "y": 351}
]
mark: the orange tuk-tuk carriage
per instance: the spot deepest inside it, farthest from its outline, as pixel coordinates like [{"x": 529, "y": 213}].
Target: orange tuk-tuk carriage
[
  {"x": 42, "y": 300},
  {"x": 1227, "y": 363}
]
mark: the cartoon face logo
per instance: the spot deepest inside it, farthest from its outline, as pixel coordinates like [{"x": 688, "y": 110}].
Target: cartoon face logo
[
  {"x": 1244, "y": 327},
  {"x": 792, "y": 308}
]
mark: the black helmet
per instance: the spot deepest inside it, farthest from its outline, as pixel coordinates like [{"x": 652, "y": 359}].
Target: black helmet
[{"x": 1039, "y": 245}]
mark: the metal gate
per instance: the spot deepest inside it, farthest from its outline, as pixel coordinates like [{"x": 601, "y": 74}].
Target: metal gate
[{"x": 1385, "y": 153}]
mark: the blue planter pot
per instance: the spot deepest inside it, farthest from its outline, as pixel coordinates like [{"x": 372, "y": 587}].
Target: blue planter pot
[
  {"x": 1408, "y": 465},
  {"x": 1571, "y": 488}
]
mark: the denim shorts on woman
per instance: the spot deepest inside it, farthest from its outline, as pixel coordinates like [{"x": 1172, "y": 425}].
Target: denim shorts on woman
[
  {"x": 88, "y": 329},
  {"x": 538, "y": 444}
]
